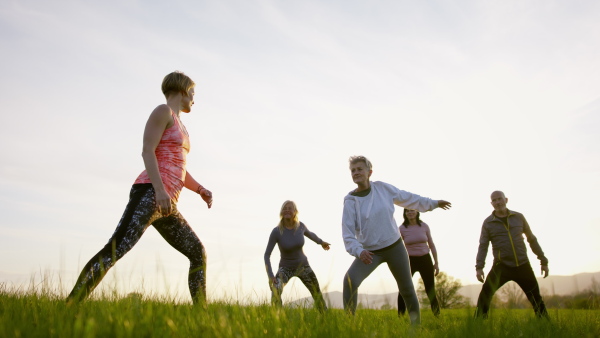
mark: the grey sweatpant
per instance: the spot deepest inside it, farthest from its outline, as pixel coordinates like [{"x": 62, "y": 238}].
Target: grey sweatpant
[{"x": 396, "y": 257}]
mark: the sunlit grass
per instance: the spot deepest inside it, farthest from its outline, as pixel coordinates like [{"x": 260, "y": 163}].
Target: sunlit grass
[{"x": 41, "y": 312}]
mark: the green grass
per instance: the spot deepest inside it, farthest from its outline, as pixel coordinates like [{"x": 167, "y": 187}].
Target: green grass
[{"x": 43, "y": 314}]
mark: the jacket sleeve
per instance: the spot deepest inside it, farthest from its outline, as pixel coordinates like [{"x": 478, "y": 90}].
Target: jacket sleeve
[
  {"x": 311, "y": 235},
  {"x": 533, "y": 243},
  {"x": 268, "y": 251},
  {"x": 349, "y": 220},
  {"x": 409, "y": 200},
  {"x": 484, "y": 243}
]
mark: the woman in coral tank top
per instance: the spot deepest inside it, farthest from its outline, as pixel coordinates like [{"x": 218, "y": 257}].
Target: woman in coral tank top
[{"x": 154, "y": 194}]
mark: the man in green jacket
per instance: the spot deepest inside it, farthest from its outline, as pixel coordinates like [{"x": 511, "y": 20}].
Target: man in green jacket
[{"x": 505, "y": 229}]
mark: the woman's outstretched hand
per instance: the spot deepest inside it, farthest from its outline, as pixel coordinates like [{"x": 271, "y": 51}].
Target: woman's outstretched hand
[
  {"x": 325, "y": 245},
  {"x": 206, "y": 196},
  {"x": 444, "y": 204}
]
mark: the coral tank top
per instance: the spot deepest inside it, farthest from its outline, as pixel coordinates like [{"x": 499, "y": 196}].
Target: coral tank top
[{"x": 171, "y": 154}]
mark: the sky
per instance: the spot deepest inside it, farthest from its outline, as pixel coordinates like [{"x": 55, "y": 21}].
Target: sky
[{"x": 448, "y": 99}]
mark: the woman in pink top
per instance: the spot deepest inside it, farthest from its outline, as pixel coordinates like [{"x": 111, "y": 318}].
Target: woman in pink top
[
  {"x": 418, "y": 241},
  {"x": 154, "y": 194}
]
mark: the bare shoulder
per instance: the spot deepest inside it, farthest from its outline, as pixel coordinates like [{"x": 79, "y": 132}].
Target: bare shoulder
[
  {"x": 161, "y": 116},
  {"x": 162, "y": 110}
]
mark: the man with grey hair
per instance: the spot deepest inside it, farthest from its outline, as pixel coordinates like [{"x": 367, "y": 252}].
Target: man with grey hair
[{"x": 505, "y": 229}]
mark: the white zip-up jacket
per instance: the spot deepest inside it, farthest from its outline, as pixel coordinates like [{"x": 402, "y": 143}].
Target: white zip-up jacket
[{"x": 368, "y": 222}]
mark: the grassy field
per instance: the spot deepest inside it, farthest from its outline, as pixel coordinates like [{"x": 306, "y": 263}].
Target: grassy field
[{"x": 42, "y": 314}]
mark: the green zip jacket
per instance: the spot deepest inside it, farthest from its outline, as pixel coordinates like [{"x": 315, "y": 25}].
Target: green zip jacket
[{"x": 508, "y": 245}]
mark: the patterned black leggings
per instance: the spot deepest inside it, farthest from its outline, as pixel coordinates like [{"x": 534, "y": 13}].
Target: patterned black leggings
[
  {"x": 308, "y": 278},
  {"x": 140, "y": 213}
]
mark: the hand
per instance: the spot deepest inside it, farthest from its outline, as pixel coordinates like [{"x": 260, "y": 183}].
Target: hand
[
  {"x": 325, "y": 246},
  {"x": 163, "y": 202},
  {"x": 366, "y": 257},
  {"x": 545, "y": 271},
  {"x": 444, "y": 204},
  {"x": 206, "y": 196},
  {"x": 436, "y": 269},
  {"x": 479, "y": 274}
]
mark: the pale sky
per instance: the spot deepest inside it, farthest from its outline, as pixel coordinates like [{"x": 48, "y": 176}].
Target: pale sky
[{"x": 448, "y": 99}]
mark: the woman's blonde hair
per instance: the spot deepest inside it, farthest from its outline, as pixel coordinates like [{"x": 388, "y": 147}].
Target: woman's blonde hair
[
  {"x": 294, "y": 219},
  {"x": 176, "y": 82}
]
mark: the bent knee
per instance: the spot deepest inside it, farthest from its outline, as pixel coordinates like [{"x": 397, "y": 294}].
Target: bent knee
[
  {"x": 197, "y": 256},
  {"x": 351, "y": 283}
]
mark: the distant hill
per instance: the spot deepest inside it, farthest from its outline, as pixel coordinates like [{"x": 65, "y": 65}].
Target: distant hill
[{"x": 553, "y": 285}]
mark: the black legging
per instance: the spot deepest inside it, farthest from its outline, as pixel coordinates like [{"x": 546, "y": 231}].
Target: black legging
[
  {"x": 522, "y": 275},
  {"x": 424, "y": 265},
  {"x": 140, "y": 213}
]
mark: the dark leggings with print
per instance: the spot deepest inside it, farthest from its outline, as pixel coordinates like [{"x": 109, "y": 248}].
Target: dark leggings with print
[
  {"x": 308, "y": 278},
  {"x": 140, "y": 213},
  {"x": 424, "y": 265}
]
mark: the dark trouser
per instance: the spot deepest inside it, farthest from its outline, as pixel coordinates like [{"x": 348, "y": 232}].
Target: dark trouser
[
  {"x": 396, "y": 258},
  {"x": 308, "y": 278},
  {"x": 140, "y": 213},
  {"x": 522, "y": 275},
  {"x": 424, "y": 265}
]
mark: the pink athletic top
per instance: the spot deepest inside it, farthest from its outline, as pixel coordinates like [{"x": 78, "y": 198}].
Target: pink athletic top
[
  {"x": 171, "y": 154},
  {"x": 416, "y": 238}
]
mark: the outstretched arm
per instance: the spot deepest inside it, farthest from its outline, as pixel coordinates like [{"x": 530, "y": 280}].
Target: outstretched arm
[
  {"x": 313, "y": 237},
  {"x": 413, "y": 201},
  {"x": 159, "y": 120},
  {"x": 196, "y": 187}
]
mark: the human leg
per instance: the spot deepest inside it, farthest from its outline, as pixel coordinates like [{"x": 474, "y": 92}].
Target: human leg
[
  {"x": 525, "y": 278},
  {"x": 355, "y": 275},
  {"x": 497, "y": 277},
  {"x": 178, "y": 233},
  {"x": 398, "y": 263},
  {"x": 309, "y": 279},
  {"x": 401, "y": 304},
  {"x": 282, "y": 277},
  {"x": 139, "y": 213},
  {"x": 425, "y": 267}
]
